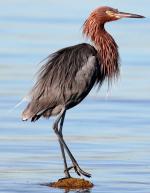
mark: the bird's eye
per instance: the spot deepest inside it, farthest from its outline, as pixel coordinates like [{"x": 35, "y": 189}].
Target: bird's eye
[{"x": 110, "y": 12}]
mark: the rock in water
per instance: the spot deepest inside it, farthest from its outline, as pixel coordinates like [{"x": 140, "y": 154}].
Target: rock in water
[{"x": 71, "y": 183}]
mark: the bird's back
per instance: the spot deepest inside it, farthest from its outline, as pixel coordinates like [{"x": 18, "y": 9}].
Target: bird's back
[{"x": 64, "y": 80}]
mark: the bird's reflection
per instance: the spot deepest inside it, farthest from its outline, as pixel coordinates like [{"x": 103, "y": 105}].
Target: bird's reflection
[
  {"x": 87, "y": 190},
  {"x": 78, "y": 191}
]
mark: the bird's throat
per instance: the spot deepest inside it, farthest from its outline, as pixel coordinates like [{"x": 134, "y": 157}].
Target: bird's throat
[
  {"x": 108, "y": 55},
  {"x": 106, "y": 47}
]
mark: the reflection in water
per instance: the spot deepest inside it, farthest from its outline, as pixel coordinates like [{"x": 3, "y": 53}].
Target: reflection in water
[
  {"x": 78, "y": 191},
  {"x": 67, "y": 190}
]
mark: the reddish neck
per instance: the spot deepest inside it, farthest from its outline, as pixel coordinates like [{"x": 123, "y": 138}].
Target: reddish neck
[{"x": 105, "y": 45}]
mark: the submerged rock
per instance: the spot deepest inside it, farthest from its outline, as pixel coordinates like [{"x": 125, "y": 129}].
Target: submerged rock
[{"x": 71, "y": 183}]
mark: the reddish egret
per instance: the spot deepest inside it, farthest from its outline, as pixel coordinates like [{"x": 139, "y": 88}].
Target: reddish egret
[{"x": 70, "y": 73}]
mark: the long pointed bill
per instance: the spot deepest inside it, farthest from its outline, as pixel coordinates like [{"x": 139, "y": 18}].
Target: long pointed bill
[{"x": 127, "y": 15}]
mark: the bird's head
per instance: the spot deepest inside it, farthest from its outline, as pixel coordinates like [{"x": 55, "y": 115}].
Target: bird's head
[
  {"x": 106, "y": 46},
  {"x": 107, "y": 14}
]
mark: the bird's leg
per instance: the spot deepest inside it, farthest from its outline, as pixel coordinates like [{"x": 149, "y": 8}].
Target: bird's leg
[
  {"x": 76, "y": 167},
  {"x": 66, "y": 171},
  {"x": 55, "y": 127},
  {"x": 78, "y": 170}
]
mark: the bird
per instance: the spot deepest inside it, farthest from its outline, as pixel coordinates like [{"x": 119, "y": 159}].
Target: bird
[{"x": 69, "y": 74}]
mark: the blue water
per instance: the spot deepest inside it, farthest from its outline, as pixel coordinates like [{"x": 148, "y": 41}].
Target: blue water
[{"x": 109, "y": 132}]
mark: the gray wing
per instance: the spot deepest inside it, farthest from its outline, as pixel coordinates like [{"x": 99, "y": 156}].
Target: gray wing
[
  {"x": 65, "y": 79},
  {"x": 82, "y": 83}
]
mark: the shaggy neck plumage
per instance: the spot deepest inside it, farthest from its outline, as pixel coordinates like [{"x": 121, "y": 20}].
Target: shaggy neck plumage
[{"x": 105, "y": 45}]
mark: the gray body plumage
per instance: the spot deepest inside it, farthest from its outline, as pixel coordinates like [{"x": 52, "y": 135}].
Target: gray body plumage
[{"x": 63, "y": 81}]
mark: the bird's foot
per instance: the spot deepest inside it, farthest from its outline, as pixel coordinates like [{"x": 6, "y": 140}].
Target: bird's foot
[
  {"x": 78, "y": 170},
  {"x": 67, "y": 177}
]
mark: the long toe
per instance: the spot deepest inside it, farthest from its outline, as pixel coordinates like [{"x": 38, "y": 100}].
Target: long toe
[
  {"x": 69, "y": 168},
  {"x": 79, "y": 171},
  {"x": 67, "y": 177},
  {"x": 85, "y": 173}
]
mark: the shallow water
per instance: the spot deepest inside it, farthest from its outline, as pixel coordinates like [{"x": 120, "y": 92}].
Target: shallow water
[{"x": 109, "y": 132}]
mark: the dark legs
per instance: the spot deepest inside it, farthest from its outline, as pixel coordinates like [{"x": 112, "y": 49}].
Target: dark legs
[{"x": 63, "y": 146}]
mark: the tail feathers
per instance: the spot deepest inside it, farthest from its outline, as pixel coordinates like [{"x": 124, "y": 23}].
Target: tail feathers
[
  {"x": 27, "y": 113},
  {"x": 30, "y": 115},
  {"x": 34, "y": 110}
]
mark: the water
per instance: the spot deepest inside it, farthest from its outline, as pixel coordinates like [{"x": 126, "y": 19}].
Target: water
[{"x": 109, "y": 133}]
